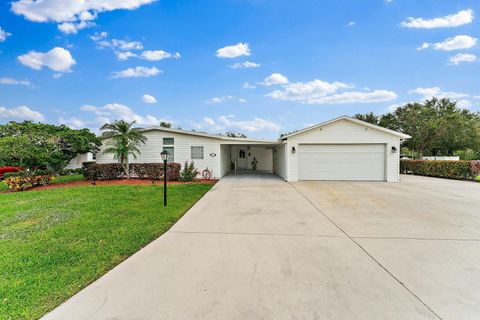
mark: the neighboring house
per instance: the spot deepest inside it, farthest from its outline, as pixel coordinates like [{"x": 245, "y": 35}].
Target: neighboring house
[
  {"x": 76, "y": 163},
  {"x": 340, "y": 149}
]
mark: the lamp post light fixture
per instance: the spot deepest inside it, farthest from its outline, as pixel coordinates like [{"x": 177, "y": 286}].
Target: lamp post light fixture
[{"x": 164, "y": 154}]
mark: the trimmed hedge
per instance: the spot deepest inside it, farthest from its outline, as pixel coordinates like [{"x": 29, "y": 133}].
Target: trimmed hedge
[
  {"x": 460, "y": 170},
  {"x": 150, "y": 171},
  {"x": 475, "y": 164}
]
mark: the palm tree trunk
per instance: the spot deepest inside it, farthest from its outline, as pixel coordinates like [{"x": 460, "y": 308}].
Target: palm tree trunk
[{"x": 127, "y": 167}]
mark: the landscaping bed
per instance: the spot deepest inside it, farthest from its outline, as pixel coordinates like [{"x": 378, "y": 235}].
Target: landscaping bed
[{"x": 55, "y": 242}]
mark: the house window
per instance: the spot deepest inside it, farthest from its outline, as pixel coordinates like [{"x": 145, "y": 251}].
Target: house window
[
  {"x": 168, "y": 141},
  {"x": 170, "y": 150},
  {"x": 196, "y": 152},
  {"x": 94, "y": 156}
]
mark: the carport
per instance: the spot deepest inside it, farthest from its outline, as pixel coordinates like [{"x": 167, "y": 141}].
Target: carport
[{"x": 247, "y": 156}]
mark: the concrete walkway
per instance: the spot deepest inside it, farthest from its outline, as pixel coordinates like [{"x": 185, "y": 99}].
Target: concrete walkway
[{"x": 255, "y": 247}]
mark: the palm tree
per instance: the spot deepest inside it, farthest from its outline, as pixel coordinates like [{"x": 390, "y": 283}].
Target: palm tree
[{"x": 124, "y": 141}]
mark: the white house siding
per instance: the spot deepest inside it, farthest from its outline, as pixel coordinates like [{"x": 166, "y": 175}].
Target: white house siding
[
  {"x": 76, "y": 163},
  {"x": 280, "y": 160},
  {"x": 264, "y": 157},
  {"x": 150, "y": 151},
  {"x": 225, "y": 159},
  {"x": 345, "y": 132},
  {"x": 263, "y": 154}
]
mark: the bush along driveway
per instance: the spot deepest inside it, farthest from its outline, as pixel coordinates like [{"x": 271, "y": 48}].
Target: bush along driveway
[
  {"x": 459, "y": 170},
  {"x": 55, "y": 242}
]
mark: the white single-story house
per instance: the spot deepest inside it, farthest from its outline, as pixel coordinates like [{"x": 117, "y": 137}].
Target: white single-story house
[{"x": 343, "y": 148}]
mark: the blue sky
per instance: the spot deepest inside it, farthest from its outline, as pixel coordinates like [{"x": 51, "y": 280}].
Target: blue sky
[{"x": 260, "y": 67}]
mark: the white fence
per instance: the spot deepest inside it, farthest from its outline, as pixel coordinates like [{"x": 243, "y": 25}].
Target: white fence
[{"x": 442, "y": 158}]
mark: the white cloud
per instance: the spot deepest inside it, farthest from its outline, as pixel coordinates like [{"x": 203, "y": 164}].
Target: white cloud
[
  {"x": 70, "y": 14},
  {"x": 462, "y": 57},
  {"x": 11, "y": 81},
  {"x": 351, "y": 24},
  {"x": 430, "y": 92},
  {"x": 275, "y": 78},
  {"x": 230, "y": 123},
  {"x": 257, "y": 124},
  {"x": 306, "y": 91},
  {"x": 157, "y": 55},
  {"x": 245, "y": 65},
  {"x": 356, "y": 97},
  {"x": 137, "y": 72},
  {"x": 149, "y": 99},
  {"x": 73, "y": 123},
  {"x": 322, "y": 92},
  {"x": 123, "y": 49},
  {"x": 125, "y": 55},
  {"x": 4, "y": 35},
  {"x": 221, "y": 99},
  {"x": 454, "y": 20},
  {"x": 121, "y": 44},
  {"x": 248, "y": 85},
  {"x": 238, "y": 50},
  {"x": 73, "y": 28},
  {"x": 21, "y": 113},
  {"x": 449, "y": 44},
  {"x": 209, "y": 121},
  {"x": 57, "y": 59},
  {"x": 99, "y": 36},
  {"x": 116, "y": 111}
]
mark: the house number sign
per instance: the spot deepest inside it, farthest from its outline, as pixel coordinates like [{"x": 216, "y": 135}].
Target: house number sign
[{"x": 213, "y": 154}]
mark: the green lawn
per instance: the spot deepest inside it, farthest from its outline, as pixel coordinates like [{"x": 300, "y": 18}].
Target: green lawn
[
  {"x": 69, "y": 178},
  {"x": 55, "y": 242}
]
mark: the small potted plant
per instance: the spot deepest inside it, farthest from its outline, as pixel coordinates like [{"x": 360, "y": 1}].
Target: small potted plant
[{"x": 254, "y": 163}]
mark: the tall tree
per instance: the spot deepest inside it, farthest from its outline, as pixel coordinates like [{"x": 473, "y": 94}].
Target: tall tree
[
  {"x": 165, "y": 124},
  {"x": 123, "y": 142},
  {"x": 437, "y": 125},
  {"x": 368, "y": 117},
  {"x": 457, "y": 129},
  {"x": 41, "y": 146},
  {"x": 235, "y": 135}
]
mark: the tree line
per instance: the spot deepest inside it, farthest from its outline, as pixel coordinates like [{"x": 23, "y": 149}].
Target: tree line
[{"x": 438, "y": 127}]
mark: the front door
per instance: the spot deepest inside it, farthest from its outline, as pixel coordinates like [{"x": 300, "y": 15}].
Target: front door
[{"x": 242, "y": 158}]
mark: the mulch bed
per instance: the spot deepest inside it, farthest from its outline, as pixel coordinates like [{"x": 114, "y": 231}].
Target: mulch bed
[{"x": 112, "y": 182}]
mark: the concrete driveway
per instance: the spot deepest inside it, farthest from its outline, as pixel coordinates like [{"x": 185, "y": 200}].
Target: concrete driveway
[{"x": 256, "y": 247}]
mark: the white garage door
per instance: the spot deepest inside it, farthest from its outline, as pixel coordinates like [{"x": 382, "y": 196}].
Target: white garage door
[{"x": 342, "y": 162}]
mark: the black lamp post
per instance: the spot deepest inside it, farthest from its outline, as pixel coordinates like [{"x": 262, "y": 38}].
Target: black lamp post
[{"x": 165, "y": 156}]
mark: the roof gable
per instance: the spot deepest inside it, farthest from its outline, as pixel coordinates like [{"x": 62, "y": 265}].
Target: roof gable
[{"x": 353, "y": 120}]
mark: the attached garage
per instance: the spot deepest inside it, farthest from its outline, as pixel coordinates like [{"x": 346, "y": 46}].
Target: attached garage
[{"x": 341, "y": 149}]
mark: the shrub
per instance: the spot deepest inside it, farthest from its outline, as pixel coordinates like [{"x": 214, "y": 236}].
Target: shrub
[
  {"x": 22, "y": 180},
  {"x": 477, "y": 179},
  {"x": 151, "y": 171},
  {"x": 106, "y": 171},
  {"x": 154, "y": 171},
  {"x": 85, "y": 166},
  {"x": 475, "y": 164},
  {"x": 459, "y": 170},
  {"x": 67, "y": 172},
  {"x": 189, "y": 172}
]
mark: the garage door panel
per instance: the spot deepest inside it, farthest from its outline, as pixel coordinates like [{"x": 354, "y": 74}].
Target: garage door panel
[{"x": 342, "y": 162}]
